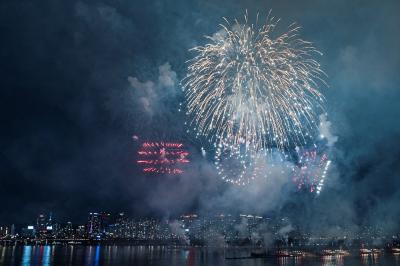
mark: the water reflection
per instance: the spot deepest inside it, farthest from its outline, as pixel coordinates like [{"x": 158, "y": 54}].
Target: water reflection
[
  {"x": 46, "y": 255},
  {"x": 397, "y": 258},
  {"x": 64, "y": 255},
  {"x": 337, "y": 260},
  {"x": 283, "y": 261},
  {"x": 71, "y": 254},
  {"x": 26, "y": 256},
  {"x": 97, "y": 256},
  {"x": 3, "y": 252},
  {"x": 374, "y": 259},
  {"x": 191, "y": 257}
]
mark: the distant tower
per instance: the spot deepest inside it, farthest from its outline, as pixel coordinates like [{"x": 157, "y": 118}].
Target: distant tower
[
  {"x": 105, "y": 222},
  {"x": 41, "y": 225},
  {"x": 50, "y": 225},
  {"x": 121, "y": 227},
  {"x": 97, "y": 224},
  {"x": 12, "y": 232},
  {"x": 93, "y": 228},
  {"x": 69, "y": 230}
]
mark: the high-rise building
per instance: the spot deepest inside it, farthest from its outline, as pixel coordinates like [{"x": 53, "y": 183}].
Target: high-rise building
[
  {"x": 69, "y": 229},
  {"x": 80, "y": 232},
  {"x": 105, "y": 222},
  {"x": 4, "y": 231},
  {"x": 93, "y": 228},
  {"x": 41, "y": 223},
  {"x": 28, "y": 231},
  {"x": 98, "y": 224},
  {"x": 12, "y": 231},
  {"x": 121, "y": 227},
  {"x": 44, "y": 225}
]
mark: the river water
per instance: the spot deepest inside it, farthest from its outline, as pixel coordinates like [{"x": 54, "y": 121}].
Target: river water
[{"x": 165, "y": 256}]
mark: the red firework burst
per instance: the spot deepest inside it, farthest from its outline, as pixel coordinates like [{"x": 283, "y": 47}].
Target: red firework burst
[{"x": 162, "y": 157}]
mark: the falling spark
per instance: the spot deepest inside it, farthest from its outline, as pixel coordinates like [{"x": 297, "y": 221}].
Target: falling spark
[
  {"x": 311, "y": 171},
  {"x": 250, "y": 88},
  {"x": 240, "y": 167}
]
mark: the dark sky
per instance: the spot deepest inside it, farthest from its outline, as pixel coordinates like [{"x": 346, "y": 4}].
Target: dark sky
[{"x": 79, "y": 78}]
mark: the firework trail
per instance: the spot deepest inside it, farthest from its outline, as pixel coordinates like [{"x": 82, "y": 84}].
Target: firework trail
[
  {"x": 250, "y": 88},
  {"x": 311, "y": 170}
]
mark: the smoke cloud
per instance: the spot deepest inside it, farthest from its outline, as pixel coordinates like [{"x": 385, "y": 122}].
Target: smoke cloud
[
  {"x": 325, "y": 130},
  {"x": 152, "y": 96}
]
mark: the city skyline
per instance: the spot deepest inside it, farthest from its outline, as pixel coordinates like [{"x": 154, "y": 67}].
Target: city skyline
[
  {"x": 194, "y": 229},
  {"x": 86, "y": 84}
]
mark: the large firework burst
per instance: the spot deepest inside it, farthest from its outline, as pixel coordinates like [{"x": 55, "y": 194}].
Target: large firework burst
[{"x": 254, "y": 89}]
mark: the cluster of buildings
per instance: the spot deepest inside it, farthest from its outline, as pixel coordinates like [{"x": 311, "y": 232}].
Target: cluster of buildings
[
  {"x": 190, "y": 228},
  {"x": 193, "y": 229}
]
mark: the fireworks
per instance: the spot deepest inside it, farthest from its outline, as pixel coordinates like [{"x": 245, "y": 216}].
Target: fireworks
[
  {"x": 253, "y": 89},
  {"x": 311, "y": 171},
  {"x": 237, "y": 166},
  {"x": 162, "y": 157}
]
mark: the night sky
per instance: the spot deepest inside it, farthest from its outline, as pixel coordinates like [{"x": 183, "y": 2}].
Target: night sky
[{"x": 80, "y": 78}]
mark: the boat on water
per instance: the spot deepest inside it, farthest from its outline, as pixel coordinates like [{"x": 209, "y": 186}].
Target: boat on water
[
  {"x": 333, "y": 252},
  {"x": 367, "y": 251},
  {"x": 262, "y": 253},
  {"x": 394, "y": 250},
  {"x": 276, "y": 253}
]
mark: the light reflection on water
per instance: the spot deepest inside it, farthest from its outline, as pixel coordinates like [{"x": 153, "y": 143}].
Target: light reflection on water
[
  {"x": 166, "y": 256},
  {"x": 26, "y": 255}
]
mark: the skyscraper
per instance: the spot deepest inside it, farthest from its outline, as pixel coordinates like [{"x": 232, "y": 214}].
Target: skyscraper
[
  {"x": 44, "y": 225},
  {"x": 97, "y": 224},
  {"x": 41, "y": 223},
  {"x": 93, "y": 228}
]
